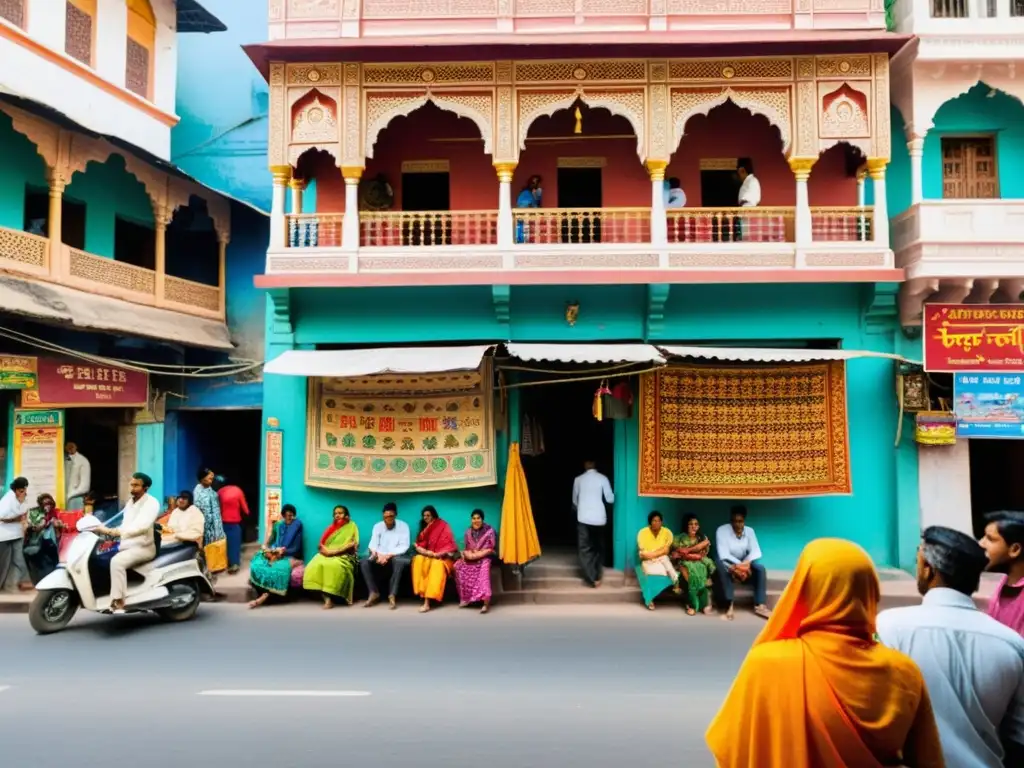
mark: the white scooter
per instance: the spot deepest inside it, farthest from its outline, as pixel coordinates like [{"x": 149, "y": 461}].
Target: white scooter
[{"x": 171, "y": 585}]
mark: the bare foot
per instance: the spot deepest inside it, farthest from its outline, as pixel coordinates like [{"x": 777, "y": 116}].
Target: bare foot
[
  {"x": 372, "y": 600},
  {"x": 392, "y": 603},
  {"x": 597, "y": 584},
  {"x": 690, "y": 612},
  {"x": 650, "y": 606},
  {"x": 328, "y": 603},
  {"x": 729, "y": 615},
  {"x": 486, "y": 607},
  {"x": 259, "y": 601},
  {"x": 425, "y": 607},
  {"x": 708, "y": 610}
]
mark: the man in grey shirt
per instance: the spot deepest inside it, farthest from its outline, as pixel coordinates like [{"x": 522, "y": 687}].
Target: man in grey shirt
[{"x": 973, "y": 665}]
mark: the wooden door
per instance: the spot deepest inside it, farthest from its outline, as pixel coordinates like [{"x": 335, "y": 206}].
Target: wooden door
[{"x": 969, "y": 168}]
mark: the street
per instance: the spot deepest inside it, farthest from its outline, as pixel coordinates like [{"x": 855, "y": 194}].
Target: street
[{"x": 294, "y": 686}]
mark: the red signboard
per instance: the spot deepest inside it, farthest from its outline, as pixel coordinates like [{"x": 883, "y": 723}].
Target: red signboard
[
  {"x": 973, "y": 337},
  {"x": 71, "y": 383}
]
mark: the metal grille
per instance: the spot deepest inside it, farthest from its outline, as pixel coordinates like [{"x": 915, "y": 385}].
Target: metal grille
[
  {"x": 950, "y": 9},
  {"x": 78, "y": 33},
  {"x": 136, "y": 75}
]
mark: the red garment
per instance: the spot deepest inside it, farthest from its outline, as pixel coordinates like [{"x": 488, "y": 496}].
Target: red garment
[
  {"x": 437, "y": 538},
  {"x": 232, "y": 504},
  {"x": 68, "y": 532},
  {"x": 330, "y": 532}
]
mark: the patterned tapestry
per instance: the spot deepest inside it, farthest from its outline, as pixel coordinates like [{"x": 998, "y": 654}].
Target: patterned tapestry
[
  {"x": 777, "y": 431},
  {"x": 401, "y": 433}
]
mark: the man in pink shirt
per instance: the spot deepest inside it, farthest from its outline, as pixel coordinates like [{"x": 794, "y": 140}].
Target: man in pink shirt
[
  {"x": 1004, "y": 543},
  {"x": 232, "y": 507}
]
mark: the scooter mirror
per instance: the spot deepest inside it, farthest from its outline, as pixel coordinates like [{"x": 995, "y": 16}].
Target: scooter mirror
[{"x": 88, "y": 523}]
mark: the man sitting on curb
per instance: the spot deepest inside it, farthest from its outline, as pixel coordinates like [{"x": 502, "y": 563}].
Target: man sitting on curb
[{"x": 736, "y": 561}]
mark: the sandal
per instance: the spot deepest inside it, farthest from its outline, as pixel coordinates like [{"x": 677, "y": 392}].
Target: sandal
[{"x": 650, "y": 606}]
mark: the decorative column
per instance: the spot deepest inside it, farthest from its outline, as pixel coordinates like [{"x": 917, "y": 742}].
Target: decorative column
[
  {"x": 802, "y": 223},
  {"x": 350, "y": 223},
  {"x": 862, "y": 219},
  {"x": 222, "y": 271},
  {"x": 876, "y": 170},
  {"x": 916, "y": 149},
  {"x": 862, "y": 174},
  {"x": 161, "y": 218},
  {"x": 659, "y": 220},
  {"x": 278, "y": 227},
  {"x": 297, "y": 187},
  {"x": 55, "y": 223},
  {"x": 506, "y": 224}
]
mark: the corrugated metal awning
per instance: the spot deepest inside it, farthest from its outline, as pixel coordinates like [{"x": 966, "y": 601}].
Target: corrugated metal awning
[
  {"x": 585, "y": 353},
  {"x": 342, "y": 363},
  {"x": 770, "y": 355}
]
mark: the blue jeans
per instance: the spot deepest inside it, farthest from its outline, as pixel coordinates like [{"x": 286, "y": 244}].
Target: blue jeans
[
  {"x": 758, "y": 580},
  {"x": 233, "y": 531}
]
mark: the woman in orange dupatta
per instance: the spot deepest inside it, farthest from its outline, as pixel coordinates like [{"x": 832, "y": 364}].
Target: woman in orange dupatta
[
  {"x": 816, "y": 690},
  {"x": 434, "y": 559}
]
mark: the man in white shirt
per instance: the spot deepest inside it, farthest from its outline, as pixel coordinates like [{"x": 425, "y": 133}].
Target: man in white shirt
[
  {"x": 973, "y": 665},
  {"x": 12, "y": 535},
  {"x": 138, "y": 543},
  {"x": 77, "y": 473},
  {"x": 674, "y": 196},
  {"x": 749, "y": 194},
  {"x": 590, "y": 492},
  {"x": 389, "y": 545},
  {"x": 736, "y": 560}
]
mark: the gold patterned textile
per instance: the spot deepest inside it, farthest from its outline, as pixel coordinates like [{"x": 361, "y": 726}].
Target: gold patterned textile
[{"x": 775, "y": 431}]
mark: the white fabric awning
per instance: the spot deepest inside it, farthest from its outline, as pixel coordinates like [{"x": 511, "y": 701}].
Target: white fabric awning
[
  {"x": 771, "y": 355},
  {"x": 341, "y": 363},
  {"x": 585, "y": 353}
]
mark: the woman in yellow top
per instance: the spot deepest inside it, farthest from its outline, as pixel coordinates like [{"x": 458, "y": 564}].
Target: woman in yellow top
[
  {"x": 653, "y": 544},
  {"x": 816, "y": 689}
]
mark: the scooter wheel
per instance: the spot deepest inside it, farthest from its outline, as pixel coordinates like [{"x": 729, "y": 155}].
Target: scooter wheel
[
  {"x": 185, "y": 610},
  {"x": 52, "y": 610}
]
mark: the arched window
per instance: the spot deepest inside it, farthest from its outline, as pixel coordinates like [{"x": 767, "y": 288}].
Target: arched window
[
  {"x": 138, "y": 75},
  {"x": 80, "y": 29},
  {"x": 13, "y": 11}
]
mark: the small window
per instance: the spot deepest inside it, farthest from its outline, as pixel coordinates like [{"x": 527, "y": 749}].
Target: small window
[
  {"x": 141, "y": 44},
  {"x": 37, "y": 217},
  {"x": 13, "y": 11},
  {"x": 79, "y": 18},
  {"x": 134, "y": 243},
  {"x": 969, "y": 168}
]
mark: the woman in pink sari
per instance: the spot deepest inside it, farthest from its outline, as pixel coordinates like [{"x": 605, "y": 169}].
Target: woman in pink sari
[{"x": 473, "y": 569}]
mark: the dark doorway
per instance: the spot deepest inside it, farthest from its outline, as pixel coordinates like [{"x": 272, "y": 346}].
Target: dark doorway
[
  {"x": 571, "y": 436},
  {"x": 94, "y": 431},
  {"x": 996, "y": 480},
  {"x": 37, "y": 217},
  {"x": 427, "y": 192},
  {"x": 580, "y": 188},
  {"x": 134, "y": 243},
  {"x": 721, "y": 189}
]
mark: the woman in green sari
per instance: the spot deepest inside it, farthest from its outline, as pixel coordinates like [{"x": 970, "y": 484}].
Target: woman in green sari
[
  {"x": 690, "y": 555},
  {"x": 332, "y": 572}
]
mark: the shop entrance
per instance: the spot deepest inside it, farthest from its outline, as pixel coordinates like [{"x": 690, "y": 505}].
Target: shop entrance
[
  {"x": 95, "y": 432},
  {"x": 561, "y": 415},
  {"x": 996, "y": 480}
]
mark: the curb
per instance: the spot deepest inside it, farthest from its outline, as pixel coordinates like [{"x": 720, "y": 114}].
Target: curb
[{"x": 225, "y": 595}]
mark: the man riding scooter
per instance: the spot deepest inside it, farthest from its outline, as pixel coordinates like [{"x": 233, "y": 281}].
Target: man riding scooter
[{"x": 138, "y": 542}]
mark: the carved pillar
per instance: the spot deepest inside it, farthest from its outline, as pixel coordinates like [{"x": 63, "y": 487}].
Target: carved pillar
[
  {"x": 803, "y": 225},
  {"x": 862, "y": 174},
  {"x": 58, "y": 268},
  {"x": 916, "y": 149},
  {"x": 659, "y": 223},
  {"x": 297, "y": 187},
  {"x": 876, "y": 170},
  {"x": 278, "y": 227},
  {"x": 161, "y": 218},
  {"x": 350, "y": 223},
  {"x": 506, "y": 225},
  {"x": 222, "y": 271}
]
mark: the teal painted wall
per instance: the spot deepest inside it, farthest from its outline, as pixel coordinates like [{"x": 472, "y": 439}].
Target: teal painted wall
[
  {"x": 22, "y": 167},
  {"x": 108, "y": 191},
  {"x": 884, "y": 478},
  {"x": 149, "y": 456}
]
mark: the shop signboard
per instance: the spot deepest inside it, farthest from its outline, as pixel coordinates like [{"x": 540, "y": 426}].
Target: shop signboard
[
  {"x": 76, "y": 384},
  {"x": 39, "y": 451},
  {"x": 17, "y": 372},
  {"x": 973, "y": 337},
  {"x": 989, "y": 405}
]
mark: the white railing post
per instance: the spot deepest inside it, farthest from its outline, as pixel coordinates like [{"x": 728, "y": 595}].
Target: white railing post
[
  {"x": 659, "y": 220},
  {"x": 278, "y": 228},
  {"x": 506, "y": 225},
  {"x": 876, "y": 170},
  {"x": 350, "y": 221}
]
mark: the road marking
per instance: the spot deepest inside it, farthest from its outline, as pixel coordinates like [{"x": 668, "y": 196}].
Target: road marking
[{"x": 294, "y": 694}]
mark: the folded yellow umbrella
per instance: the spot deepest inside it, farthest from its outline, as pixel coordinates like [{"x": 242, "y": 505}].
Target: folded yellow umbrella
[{"x": 518, "y": 544}]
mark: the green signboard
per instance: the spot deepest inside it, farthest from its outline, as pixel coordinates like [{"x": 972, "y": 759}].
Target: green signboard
[
  {"x": 28, "y": 418},
  {"x": 18, "y": 372}
]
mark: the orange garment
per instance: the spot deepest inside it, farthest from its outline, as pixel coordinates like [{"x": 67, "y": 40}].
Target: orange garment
[{"x": 816, "y": 690}]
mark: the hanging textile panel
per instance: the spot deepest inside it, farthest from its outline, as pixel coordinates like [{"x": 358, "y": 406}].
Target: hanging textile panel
[
  {"x": 776, "y": 431},
  {"x": 401, "y": 434}
]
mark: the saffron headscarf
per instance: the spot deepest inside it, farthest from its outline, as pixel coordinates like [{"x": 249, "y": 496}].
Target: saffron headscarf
[{"x": 816, "y": 690}]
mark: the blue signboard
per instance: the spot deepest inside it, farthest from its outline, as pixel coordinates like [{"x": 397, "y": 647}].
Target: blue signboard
[{"x": 989, "y": 405}]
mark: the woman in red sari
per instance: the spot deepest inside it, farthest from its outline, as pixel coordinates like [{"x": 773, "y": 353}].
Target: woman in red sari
[
  {"x": 436, "y": 551},
  {"x": 67, "y": 525}
]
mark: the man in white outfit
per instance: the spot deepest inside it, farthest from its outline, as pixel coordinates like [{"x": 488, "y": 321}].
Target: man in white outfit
[
  {"x": 138, "y": 543},
  {"x": 12, "y": 513},
  {"x": 590, "y": 492},
  {"x": 77, "y": 473},
  {"x": 749, "y": 194}
]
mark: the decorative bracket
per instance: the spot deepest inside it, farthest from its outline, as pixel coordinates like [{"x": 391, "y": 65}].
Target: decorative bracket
[
  {"x": 281, "y": 329},
  {"x": 501, "y": 296},
  {"x": 657, "y": 297},
  {"x": 881, "y": 308}
]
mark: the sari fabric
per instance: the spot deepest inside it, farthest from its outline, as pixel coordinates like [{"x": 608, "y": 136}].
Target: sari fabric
[
  {"x": 41, "y": 547},
  {"x": 698, "y": 567},
  {"x": 274, "y": 575},
  {"x": 473, "y": 578},
  {"x": 214, "y": 538},
  {"x": 335, "y": 576},
  {"x": 68, "y": 531},
  {"x": 848, "y": 702},
  {"x": 430, "y": 574}
]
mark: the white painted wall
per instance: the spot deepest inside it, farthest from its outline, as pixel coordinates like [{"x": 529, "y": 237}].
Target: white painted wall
[
  {"x": 944, "y": 484},
  {"x": 29, "y": 75}
]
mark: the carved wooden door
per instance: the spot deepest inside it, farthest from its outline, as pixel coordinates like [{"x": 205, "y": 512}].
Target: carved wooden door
[{"x": 969, "y": 169}]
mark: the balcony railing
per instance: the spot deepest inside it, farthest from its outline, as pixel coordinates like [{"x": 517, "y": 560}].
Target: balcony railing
[
  {"x": 730, "y": 225},
  {"x": 844, "y": 225},
  {"x": 428, "y": 228},
  {"x": 314, "y": 230},
  {"x": 549, "y": 226}
]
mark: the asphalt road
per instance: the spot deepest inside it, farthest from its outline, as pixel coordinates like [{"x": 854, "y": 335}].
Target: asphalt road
[{"x": 524, "y": 686}]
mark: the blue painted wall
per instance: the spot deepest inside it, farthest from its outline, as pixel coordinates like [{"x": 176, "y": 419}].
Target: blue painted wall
[
  {"x": 738, "y": 313},
  {"x": 23, "y": 167}
]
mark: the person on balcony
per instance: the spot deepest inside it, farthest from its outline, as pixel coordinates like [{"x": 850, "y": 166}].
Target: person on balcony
[
  {"x": 530, "y": 197},
  {"x": 77, "y": 473},
  {"x": 674, "y": 195},
  {"x": 749, "y": 194}
]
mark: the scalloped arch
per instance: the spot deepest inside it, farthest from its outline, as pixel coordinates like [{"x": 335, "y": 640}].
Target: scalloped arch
[
  {"x": 403, "y": 106},
  {"x": 540, "y": 104},
  {"x": 688, "y": 104}
]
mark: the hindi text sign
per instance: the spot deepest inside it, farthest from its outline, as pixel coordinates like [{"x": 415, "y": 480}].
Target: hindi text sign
[
  {"x": 70, "y": 383},
  {"x": 17, "y": 372},
  {"x": 39, "y": 452},
  {"x": 973, "y": 337},
  {"x": 989, "y": 405}
]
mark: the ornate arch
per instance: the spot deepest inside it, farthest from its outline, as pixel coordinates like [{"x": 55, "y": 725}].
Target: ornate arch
[
  {"x": 44, "y": 136},
  {"x": 180, "y": 193},
  {"x": 295, "y": 151},
  {"x": 775, "y": 104},
  {"x": 381, "y": 109},
  {"x": 626, "y": 103}
]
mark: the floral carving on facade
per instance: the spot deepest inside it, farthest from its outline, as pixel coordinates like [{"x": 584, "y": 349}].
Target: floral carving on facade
[
  {"x": 844, "y": 113},
  {"x": 382, "y": 108},
  {"x": 630, "y": 104},
  {"x": 312, "y": 9},
  {"x": 771, "y": 103},
  {"x": 314, "y": 119}
]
